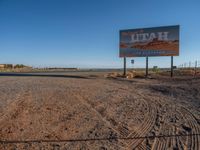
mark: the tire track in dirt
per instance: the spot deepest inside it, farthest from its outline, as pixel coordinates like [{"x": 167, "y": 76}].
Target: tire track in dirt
[
  {"x": 194, "y": 128},
  {"x": 128, "y": 132},
  {"x": 107, "y": 123},
  {"x": 147, "y": 124},
  {"x": 177, "y": 141}
]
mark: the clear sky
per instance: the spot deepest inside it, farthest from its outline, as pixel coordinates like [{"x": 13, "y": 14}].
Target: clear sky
[{"x": 85, "y": 33}]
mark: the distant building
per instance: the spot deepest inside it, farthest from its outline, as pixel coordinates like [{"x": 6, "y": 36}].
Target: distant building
[
  {"x": 6, "y": 66},
  {"x": 1, "y": 66}
]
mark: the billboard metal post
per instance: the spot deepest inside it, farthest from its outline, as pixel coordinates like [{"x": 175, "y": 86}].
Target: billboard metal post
[
  {"x": 172, "y": 67},
  {"x": 124, "y": 66},
  {"x": 147, "y": 66}
]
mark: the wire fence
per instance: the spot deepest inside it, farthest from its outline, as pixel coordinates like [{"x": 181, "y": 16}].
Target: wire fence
[
  {"x": 110, "y": 139},
  {"x": 190, "y": 65},
  {"x": 64, "y": 144},
  {"x": 97, "y": 139}
]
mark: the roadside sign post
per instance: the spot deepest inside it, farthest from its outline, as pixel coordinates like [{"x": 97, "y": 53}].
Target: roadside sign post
[
  {"x": 132, "y": 62},
  {"x": 172, "y": 67},
  {"x": 147, "y": 66},
  {"x": 124, "y": 66}
]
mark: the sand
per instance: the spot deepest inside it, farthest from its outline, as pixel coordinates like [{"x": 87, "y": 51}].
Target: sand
[{"x": 95, "y": 107}]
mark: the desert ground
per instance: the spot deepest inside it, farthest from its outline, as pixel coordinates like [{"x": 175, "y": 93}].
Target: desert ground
[{"x": 88, "y": 110}]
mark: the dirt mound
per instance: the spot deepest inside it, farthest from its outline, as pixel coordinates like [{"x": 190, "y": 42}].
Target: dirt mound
[
  {"x": 129, "y": 75},
  {"x": 113, "y": 75}
]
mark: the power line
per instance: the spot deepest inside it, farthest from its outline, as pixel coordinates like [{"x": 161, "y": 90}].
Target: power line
[{"x": 94, "y": 139}]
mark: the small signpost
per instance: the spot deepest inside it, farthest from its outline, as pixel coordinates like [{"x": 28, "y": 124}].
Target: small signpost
[
  {"x": 132, "y": 62},
  {"x": 147, "y": 42}
]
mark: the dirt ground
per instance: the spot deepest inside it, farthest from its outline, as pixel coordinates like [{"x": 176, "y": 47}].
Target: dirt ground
[{"x": 113, "y": 110}]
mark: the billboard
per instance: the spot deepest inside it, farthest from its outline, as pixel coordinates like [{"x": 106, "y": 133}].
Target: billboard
[{"x": 156, "y": 41}]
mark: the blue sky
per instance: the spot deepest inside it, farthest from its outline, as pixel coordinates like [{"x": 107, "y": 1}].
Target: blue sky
[{"x": 85, "y": 33}]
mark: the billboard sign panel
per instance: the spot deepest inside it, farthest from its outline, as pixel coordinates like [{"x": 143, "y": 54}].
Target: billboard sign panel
[{"x": 157, "y": 41}]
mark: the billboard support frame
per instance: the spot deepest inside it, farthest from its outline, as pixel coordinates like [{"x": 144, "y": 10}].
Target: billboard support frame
[{"x": 147, "y": 42}]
